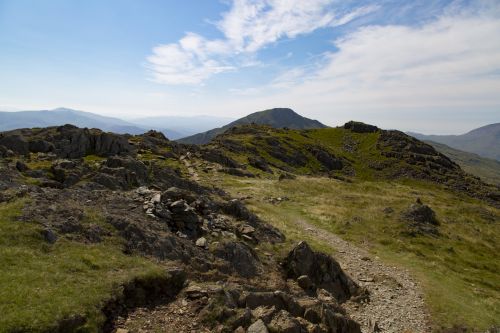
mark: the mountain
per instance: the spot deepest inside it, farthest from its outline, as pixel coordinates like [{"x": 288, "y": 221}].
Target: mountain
[
  {"x": 277, "y": 118},
  {"x": 486, "y": 168},
  {"x": 484, "y": 141},
  {"x": 183, "y": 125},
  {"x": 318, "y": 230},
  {"x": 61, "y": 116}
]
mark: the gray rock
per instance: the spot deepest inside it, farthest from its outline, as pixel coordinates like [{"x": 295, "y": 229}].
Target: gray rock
[
  {"x": 49, "y": 236},
  {"x": 15, "y": 142},
  {"x": 323, "y": 271},
  {"x": 241, "y": 258},
  {"x": 258, "y": 327}
]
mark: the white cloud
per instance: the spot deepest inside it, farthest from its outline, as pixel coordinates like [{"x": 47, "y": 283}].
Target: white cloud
[
  {"x": 247, "y": 27},
  {"x": 400, "y": 76}
]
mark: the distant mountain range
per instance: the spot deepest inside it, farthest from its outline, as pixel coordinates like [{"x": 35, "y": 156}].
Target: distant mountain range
[
  {"x": 484, "y": 141},
  {"x": 277, "y": 118},
  {"x": 172, "y": 127},
  {"x": 486, "y": 168}
]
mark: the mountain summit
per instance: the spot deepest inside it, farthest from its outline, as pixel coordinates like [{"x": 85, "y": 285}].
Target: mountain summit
[{"x": 277, "y": 118}]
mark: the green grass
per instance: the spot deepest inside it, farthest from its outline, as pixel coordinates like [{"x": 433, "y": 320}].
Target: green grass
[
  {"x": 43, "y": 284},
  {"x": 459, "y": 269}
]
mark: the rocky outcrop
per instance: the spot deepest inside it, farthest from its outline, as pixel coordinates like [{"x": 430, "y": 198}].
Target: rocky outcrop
[
  {"x": 15, "y": 142},
  {"x": 359, "y": 127},
  {"x": 74, "y": 142},
  {"x": 322, "y": 270},
  {"x": 420, "y": 219}
]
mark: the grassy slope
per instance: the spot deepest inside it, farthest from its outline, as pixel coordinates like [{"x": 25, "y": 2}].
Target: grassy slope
[
  {"x": 487, "y": 169},
  {"x": 458, "y": 269},
  {"x": 43, "y": 284}
]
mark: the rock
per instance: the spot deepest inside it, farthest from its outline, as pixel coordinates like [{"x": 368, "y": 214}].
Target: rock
[
  {"x": 241, "y": 258},
  {"x": 201, "y": 242},
  {"x": 322, "y": 270},
  {"x": 259, "y": 163},
  {"x": 304, "y": 282},
  {"x": 336, "y": 322},
  {"x": 258, "y": 327},
  {"x": 195, "y": 292},
  {"x": 21, "y": 166},
  {"x": 49, "y": 236},
  {"x": 242, "y": 318},
  {"x": 40, "y": 146},
  {"x": 175, "y": 194},
  {"x": 239, "y": 330},
  {"x": 247, "y": 229},
  {"x": 263, "y": 298},
  {"x": 421, "y": 219},
  {"x": 73, "y": 142},
  {"x": 359, "y": 127},
  {"x": 121, "y": 330},
  {"x": 266, "y": 313},
  {"x": 14, "y": 142},
  {"x": 283, "y": 322},
  {"x": 328, "y": 160}
]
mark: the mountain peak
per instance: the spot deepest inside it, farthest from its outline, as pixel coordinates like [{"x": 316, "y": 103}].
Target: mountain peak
[{"x": 276, "y": 117}]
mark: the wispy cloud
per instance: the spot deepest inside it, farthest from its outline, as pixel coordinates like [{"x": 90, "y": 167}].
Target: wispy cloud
[
  {"x": 450, "y": 63},
  {"x": 247, "y": 27}
]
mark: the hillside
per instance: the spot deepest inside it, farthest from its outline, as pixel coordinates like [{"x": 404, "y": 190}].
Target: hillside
[
  {"x": 318, "y": 230},
  {"x": 277, "y": 118},
  {"x": 487, "y": 169},
  {"x": 61, "y": 116},
  {"x": 484, "y": 141}
]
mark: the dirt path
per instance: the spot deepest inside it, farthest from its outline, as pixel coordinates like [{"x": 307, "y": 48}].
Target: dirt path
[
  {"x": 396, "y": 303},
  {"x": 192, "y": 172}
]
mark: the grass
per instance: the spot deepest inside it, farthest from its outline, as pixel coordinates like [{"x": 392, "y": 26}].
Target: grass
[
  {"x": 43, "y": 284},
  {"x": 458, "y": 270}
]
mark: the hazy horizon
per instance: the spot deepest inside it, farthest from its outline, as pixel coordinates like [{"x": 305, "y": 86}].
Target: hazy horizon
[{"x": 431, "y": 67}]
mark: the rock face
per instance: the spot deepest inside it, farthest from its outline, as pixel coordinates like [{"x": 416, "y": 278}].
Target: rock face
[
  {"x": 74, "y": 142},
  {"x": 15, "y": 143},
  {"x": 322, "y": 270},
  {"x": 241, "y": 256}
]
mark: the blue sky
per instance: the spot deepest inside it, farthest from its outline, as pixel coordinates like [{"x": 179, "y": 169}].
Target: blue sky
[{"x": 428, "y": 66}]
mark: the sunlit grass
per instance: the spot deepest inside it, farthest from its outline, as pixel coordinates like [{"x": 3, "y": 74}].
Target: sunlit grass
[{"x": 459, "y": 269}]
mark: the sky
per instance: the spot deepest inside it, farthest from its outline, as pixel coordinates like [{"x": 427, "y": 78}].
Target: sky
[{"x": 430, "y": 66}]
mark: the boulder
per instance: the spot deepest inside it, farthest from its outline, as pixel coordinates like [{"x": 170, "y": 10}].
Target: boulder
[
  {"x": 241, "y": 257},
  {"x": 15, "y": 142},
  {"x": 322, "y": 270},
  {"x": 258, "y": 327},
  {"x": 421, "y": 219},
  {"x": 40, "y": 146}
]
